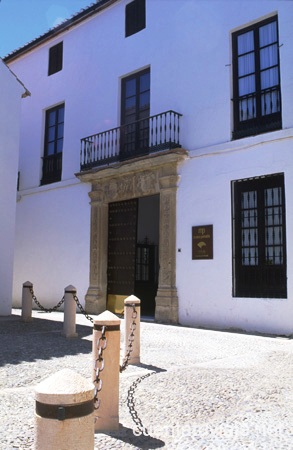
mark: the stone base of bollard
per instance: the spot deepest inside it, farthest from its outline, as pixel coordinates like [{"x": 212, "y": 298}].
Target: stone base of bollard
[
  {"x": 69, "y": 325},
  {"x": 26, "y": 312},
  {"x": 107, "y": 415},
  {"x": 64, "y": 413},
  {"x": 131, "y": 303}
]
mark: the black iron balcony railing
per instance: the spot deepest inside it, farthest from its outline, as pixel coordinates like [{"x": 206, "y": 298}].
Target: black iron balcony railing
[
  {"x": 258, "y": 112},
  {"x": 149, "y": 135},
  {"x": 52, "y": 168}
]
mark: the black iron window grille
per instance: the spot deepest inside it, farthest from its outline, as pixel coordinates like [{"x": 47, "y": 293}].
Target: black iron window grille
[
  {"x": 259, "y": 231},
  {"x": 256, "y": 79}
]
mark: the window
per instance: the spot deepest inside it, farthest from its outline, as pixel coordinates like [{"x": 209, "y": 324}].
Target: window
[
  {"x": 259, "y": 236},
  {"x": 134, "y": 17},
  {"x": 54, "y": 131},
  {"x": 135, "y": 112},
  {"x": 256, "y": 78},
  {"x": 55, "y": 58}
]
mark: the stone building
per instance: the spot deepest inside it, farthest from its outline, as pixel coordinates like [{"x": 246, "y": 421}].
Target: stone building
[{"x": 156, "y": 160}]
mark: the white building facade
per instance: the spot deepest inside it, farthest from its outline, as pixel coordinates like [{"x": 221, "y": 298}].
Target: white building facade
[
  {"x": 12, "y": 91},
  {"x": 156, "y": 160}
]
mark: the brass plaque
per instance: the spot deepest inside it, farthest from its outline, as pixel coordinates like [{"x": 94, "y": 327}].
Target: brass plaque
[{"x": 202, "y": 242}]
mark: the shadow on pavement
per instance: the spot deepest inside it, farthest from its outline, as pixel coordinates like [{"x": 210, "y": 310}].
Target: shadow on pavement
[
  {"x": 150, "y": 367},
  {"x": 39, "y": 339},
  {"x": 141, "y": 442}
]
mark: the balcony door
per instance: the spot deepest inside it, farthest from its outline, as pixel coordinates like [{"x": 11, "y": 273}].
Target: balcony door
[{"x": 135, "y": 111}]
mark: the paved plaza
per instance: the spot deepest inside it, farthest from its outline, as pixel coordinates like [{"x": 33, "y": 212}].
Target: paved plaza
[{"x": 194, "y": 389}]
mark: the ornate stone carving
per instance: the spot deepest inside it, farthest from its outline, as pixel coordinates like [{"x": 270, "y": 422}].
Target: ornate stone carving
[{"x": 148, "y": 176}]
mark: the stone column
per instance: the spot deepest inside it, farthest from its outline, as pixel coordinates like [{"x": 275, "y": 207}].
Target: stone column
[
  {"x": 129, "y": 322},
  {"x": 26, "y": 312},
  {"x": 107, "y": 415},
  {"x": 69, "y": 324},
  {"x": 96, "y": 297},
  {"x": 167, "y": 298}
]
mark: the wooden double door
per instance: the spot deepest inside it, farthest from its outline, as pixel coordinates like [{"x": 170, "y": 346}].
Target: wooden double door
[{"x": 132, "y": 264}]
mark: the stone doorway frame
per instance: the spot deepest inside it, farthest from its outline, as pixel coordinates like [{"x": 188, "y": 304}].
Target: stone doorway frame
[{"x": 154, "y": 174}]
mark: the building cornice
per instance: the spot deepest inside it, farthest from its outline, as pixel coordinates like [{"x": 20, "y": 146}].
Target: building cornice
[{"x": 120, "y": 169}]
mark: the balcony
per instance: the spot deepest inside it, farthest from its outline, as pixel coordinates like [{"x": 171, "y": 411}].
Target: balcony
[
  {"x": 143, "y": 137},
  {"x": 52, "y": 168}
]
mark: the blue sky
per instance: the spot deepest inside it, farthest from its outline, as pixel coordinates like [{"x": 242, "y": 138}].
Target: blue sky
[{"x": 23, "y": 20}]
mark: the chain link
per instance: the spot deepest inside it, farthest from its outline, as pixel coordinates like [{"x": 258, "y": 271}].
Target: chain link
[
  {"x": 48, "y": 310},
  {"x": 126, "y": 358},
  {"x": 140, "y": 429},
  {"x": 99, "y": 366},
  {"x": 82, "y": 309}
]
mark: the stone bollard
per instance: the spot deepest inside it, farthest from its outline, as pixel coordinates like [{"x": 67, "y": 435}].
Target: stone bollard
[
  {"x": 64, "y": 412},
  {"x": 27, "y": 302},
  {"x": 69, "y": 325},
  {"x": 129, "y": 326},
  {"x": 107, "y": 415}
]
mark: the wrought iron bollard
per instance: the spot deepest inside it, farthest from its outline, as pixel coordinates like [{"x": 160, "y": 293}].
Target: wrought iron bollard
[
  {"x": 27, "y": 302},
  {"x": 106, "y": 356},
  {"x": 132, "y": 329},
  {"x": 69, "y": 324},
  {"x": 64, "y": 412}
]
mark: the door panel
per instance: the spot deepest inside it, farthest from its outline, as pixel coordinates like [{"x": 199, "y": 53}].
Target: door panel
[{"x": 122, "y": 247}]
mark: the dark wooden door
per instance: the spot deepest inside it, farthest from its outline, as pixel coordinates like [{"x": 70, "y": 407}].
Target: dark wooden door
[
  {"x": 146, "y": 276},
  {"x": 122, "y": 247}
]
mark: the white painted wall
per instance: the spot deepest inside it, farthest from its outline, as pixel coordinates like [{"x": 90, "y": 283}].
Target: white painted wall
[
  {"x": 187, "y": 46},
  {"x": 204, "y": 197},
  {"x": 11, "y": 91},
  {"x": 52, "y": 242}
]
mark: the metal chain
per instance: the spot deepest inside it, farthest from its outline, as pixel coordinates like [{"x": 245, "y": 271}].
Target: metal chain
[
  {"x": 99, "y": 366},
  {"x": 82, "y": 309},
  {"x": 126, "y": 358},
  {"x": 140, "y": 429},
  {"x": 48, "y": 310}
]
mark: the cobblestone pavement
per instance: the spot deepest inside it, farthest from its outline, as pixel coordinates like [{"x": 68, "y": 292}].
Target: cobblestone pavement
[{"x": 205, "y": 389}]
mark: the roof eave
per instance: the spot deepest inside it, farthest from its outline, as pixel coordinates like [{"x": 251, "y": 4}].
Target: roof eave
[{"x": 64, "y": 26}]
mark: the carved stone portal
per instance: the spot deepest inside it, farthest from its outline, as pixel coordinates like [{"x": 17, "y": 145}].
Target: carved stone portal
[{"x": 156, "y": 174}]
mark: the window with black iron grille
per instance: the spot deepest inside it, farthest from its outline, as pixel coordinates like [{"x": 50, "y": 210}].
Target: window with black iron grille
[
  {"x": 135, "y": 112},
  {"x": 256, "y": 79},
  {"x": 134, "y": 17},
  {"x": 55, "y": 58},
  {"x": 259, "y": 237},
  {"x": 54, "y": 132}
]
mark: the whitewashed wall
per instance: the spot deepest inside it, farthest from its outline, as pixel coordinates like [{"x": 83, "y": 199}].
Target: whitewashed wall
[
  {"x": 11, "y": 92},
  {"x": 52, "y": 242},
  {"x": 187, "y": 45},
  {"x": 204, "y": 196}
]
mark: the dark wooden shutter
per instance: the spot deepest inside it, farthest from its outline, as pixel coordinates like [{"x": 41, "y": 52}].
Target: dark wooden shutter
[
  {"x": 134, "y": 17},
  {"x": 55, "y": 58}
]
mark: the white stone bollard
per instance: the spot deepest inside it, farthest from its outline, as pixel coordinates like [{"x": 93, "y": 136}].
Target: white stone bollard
[
  {"x": 69, "y": 324},
  {"x": 64, "y": 413},
  {"x": 107, "y": 415},
  {"x": 129, "y": 319},
  {"x": 27, "y": 302}
]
